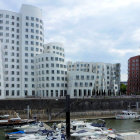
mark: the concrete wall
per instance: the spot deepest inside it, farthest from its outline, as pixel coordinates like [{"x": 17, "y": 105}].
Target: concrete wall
[{"x": 43, "y": 107}]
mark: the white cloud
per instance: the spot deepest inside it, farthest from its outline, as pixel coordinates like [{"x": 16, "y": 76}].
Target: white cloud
[
  {"x": 104, "y": 30},
  {"x": 124, "y": 77},
  {"x": 136, "y": 35},
  {"x": 122, "y": 52}
]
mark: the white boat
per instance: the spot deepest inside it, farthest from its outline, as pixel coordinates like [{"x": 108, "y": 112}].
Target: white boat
[
  {"x": 127, "y": 115},
  {"x": 80, "y": 125},
  {"x": 35, "y": 126},
  {"x": 82, "y": 129},
  {"x": 124, "y": 136},
  {"x": 45, "y": 137}
]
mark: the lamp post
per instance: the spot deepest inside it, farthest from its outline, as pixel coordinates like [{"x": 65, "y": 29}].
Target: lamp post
[{"x": 68, "y": 116}]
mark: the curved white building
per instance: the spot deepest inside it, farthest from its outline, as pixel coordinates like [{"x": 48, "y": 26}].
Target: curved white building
[
  {"x": 30, "y": 68},
  {"x": 21, "y": 36},
  {"x": 51, "y": 71},
  {"x": 2, "y": 96},
  {"x": 105, "y": 79}
]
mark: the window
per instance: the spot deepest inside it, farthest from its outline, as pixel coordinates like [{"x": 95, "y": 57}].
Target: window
[
  {"x": 27, "y": 18},
  {"x": 17, "y": 18},
  {"x": 32, "y": 37},
  {"x": 13, "y": 92},
  {"x": 1, "y": 21},
  {"x": 1, "y": 15},
  {"x": 32, "y": 55},
  {"x": 7, "y": 28},
  {"x": 26, "y": 36},
  {"x": 26, "y": 48},
  {"x": 7, "y": 92},
  {"x": 26, "y": 67},
  {"x": 52, "y": 65},
  {"x": 76, "y": 84},
  {"x": 32, "y": 30},
  {"x": 18, "y": 93},
  {"x": 7, "y": 22},
  {"x": 52, "y": 84},
  {"x": 26, "y": 54},
  {"x": 13, "y": 17},
  {"x": 32, "y": 18},
  {"x": 82, "y": 77}
]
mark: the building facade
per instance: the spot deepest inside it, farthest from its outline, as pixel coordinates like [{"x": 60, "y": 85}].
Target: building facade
[
  {"x": 28, "y": 67},
  {"x": 133, "y": 86},
  {"x": 51, "y": 72},
  {"x": 21, "y": 37},
  {"x": 91, "y": 79}
]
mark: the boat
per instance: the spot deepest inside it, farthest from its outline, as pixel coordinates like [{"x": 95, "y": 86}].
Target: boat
[
  {"x": 81, "y": 125},
  {"x": 124, "y": 136},
  {"x": 99, "y": 123},
  {"x": 50, "y": 135},
  {"x": 85, "y": 129},
  {"x": 127, "y": 115},
  {"x": 6, "y": 120}
]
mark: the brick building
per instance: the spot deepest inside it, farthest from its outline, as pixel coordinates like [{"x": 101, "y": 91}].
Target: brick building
[{"x": 134, "y": 75}]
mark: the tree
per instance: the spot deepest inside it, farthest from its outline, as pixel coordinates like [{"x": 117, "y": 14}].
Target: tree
[{"x": 123, "y": 88}]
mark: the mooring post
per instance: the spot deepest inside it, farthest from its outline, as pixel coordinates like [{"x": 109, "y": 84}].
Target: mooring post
[
  {"x": 28, "y": 111},
  {"x": 137, "y": 106},
  {"x": 68, "y": 117}
]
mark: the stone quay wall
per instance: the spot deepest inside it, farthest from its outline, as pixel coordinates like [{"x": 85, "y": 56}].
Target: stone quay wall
[{"x": 55, "y": 109}]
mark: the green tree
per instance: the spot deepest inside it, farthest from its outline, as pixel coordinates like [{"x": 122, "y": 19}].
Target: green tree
[{"x": 123, "y": 88}]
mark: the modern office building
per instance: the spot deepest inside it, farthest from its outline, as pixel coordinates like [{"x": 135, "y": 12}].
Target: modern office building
[
  {"x": 51, "y": 72},
  {"x": 28, "y": 67},
  {"x": 89, "y": 79},
  {"x": 21, "y": 37},
  {"x": 133, "y": 75}
]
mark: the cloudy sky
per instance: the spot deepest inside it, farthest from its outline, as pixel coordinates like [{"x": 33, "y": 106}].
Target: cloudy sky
[{"x": 91, "y": 30}]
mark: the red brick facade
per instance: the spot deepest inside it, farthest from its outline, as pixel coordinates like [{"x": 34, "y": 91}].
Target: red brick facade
[{"x": 133, "y": 75}]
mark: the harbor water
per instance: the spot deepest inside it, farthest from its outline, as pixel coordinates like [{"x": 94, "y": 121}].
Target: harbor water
[{"x": 118, "y": 125}]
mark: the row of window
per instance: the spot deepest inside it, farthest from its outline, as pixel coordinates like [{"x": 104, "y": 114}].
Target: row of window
[
  {"x": 56, "y": 47},
  {"x": 59, "y": 53},
  {"x": 8, "y": 35},
  {"x": 49, "y": 59},
  {"x": 82, "y": 77},
  {"x": 33, "y": 37},
  {"x": 52, "y": 78},
  {"x": 33, "y": 31},
  {"x": 33, "y": 25},
  {"x": 86, "y": 65},
  {"x": 51, "y": 85},
  {"x": 17, "y": 67},
  {"x": 12, "y": 85},
  {"x": 51, "y": 65},
  {"x": 85, "y": 92},
  {"x": 8, "y": 41},
  {"x": 33, "y": 43},
  {"x": 12, "y": 23},
  {"x": 12, "y": 54},
  {"x": 52, "y": 93},
  {"x": 87, "y": 70},
  {"x": 17, "y": 93},
  {"x": 10, "y": 29},
  {"x": 51, "y": 72},
  {"x": 12, "y": 72},
  {"x": 18, "y": 79},
  {"x": 33, "y": 19},
  {"x": 17, "y": 73},
  {"x": 86, "y": 84},
  {"x": 9, "y": 16}
]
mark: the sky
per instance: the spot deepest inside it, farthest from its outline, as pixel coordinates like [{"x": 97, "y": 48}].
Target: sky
[{"x": 90, "y": 30}]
